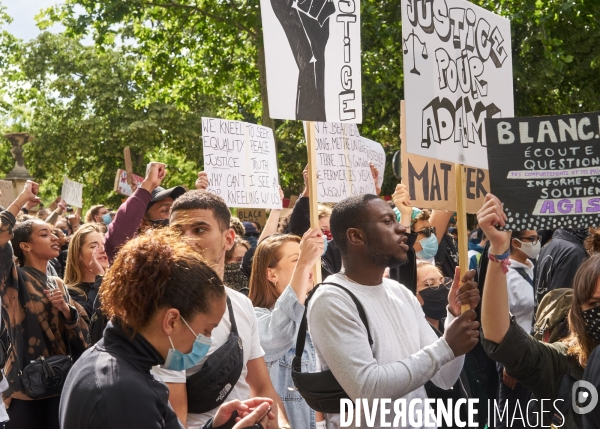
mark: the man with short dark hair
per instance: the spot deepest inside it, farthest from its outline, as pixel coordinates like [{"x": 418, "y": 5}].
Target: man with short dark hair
[
  {"x": 204, "y": 218},
  {"x": 406, "y": 353}
]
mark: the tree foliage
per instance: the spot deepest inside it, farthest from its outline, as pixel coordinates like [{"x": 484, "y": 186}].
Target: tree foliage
[{"x": 159, "y": 65}]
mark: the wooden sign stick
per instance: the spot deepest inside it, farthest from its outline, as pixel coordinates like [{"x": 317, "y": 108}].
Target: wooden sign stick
[
  {"x": 128, "y": 167},
  {"x": 311, "y": 145},
  {"x": 461, "y": 223}
]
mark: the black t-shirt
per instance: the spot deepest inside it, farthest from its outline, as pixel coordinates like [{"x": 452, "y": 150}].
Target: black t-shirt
[{"x": 446, "y": 257}]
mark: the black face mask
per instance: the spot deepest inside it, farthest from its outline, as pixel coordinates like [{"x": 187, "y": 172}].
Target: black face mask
[
  {"x": 435, "y": 302},
  {"x": 592, "y": 322},
  {"x": 159, "y": 223}
]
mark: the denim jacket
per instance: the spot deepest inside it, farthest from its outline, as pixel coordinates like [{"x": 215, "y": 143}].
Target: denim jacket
[{"x": 278, "y": 331}]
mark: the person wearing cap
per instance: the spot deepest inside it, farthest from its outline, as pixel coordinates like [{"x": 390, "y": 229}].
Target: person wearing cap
[{"x": 149, "y": 205}]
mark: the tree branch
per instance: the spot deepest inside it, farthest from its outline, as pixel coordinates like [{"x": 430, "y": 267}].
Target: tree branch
[{"x": 195, "y": 8}]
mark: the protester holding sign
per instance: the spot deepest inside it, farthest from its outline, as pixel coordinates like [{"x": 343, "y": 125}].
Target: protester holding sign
[
  {"x": 540, "y": 367},
  {"x": 281, "y": 279}
]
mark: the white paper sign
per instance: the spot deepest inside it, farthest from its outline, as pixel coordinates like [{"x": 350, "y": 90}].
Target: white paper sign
[
  {"x": 72, "y": 193},
  {"x": 343, "y": 158},
  {"x": 240, "y": 161},
  {"x": 457, "y": 72},
  {"x": 312, "y": 51},
  {"x": 8, "y": 193}
]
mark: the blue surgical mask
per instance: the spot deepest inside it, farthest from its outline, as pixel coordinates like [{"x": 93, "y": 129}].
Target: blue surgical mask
[
  {"x": 326, "y": 243},
  {"x": 178, "y": 361},
  {"x": 430, "y": 247},
  {"x": 106, "y": 219}
]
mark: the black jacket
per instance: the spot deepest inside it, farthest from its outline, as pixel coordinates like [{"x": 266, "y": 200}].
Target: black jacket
[
  {"x": 558, "y": 262},
  {"x": 591, "y": 420},
  {"x": 110, "y": 386}
]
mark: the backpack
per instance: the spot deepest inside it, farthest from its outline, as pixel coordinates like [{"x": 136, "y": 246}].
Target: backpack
[{"x": 551, "y": 322}]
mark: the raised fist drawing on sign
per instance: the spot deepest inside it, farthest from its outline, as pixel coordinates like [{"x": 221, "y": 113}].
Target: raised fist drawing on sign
[{"x": 306, "y": 25}]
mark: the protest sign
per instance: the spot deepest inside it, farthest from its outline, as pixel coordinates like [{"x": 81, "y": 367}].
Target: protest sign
[
  {"x": 72, "y": 193},
  {"x": 256, "y": 215},
  {"x": 431, "y": 183},
  {"x": 546, "y": 170},
  {"x": 342, "y": 161},
  {"x": 8, "y": 193},
  {"x": 457, "y": 72},
  {"x": 121, "y": 185},
  {"x": 240, "y": 161},
  {"x": 313, "y": 64}
]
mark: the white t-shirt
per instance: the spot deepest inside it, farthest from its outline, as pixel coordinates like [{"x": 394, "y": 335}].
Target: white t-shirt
[
  {"x": 521, "y": 294},
  {"x": 247, "y": 326},
  {"x": 406, "y": 352}
]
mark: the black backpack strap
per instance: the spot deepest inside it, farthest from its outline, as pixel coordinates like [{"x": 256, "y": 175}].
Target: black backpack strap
[
  {"x": 301, "y": 340},
  {"x": 231, "y": 316},
  {"x": 524, "y": 274}
]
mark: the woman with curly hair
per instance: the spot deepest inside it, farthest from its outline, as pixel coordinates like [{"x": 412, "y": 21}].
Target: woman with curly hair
[
  {"x": 543, "y": 368},
  {"x": 163, "y": 302}
]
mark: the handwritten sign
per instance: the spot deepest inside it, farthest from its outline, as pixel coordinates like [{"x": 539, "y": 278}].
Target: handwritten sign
[
  {"x": 121, "y": 185},
  {"x": 431, "y": 183},
  {"x": 8, "y": 193},
  {"x": 239, "y": 159},
  {"x": 256, "y": 215},
  {"x": 457, "y": 73},
  {"x": 343, "y": 158},
  {"x": 313, "y": 59},
  {"x": 546, "y": 170},
  {"x": 72, "y": 193}
]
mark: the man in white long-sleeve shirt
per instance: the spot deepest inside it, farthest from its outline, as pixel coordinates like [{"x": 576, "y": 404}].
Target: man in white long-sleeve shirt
[{"x": 406, "y": 353}]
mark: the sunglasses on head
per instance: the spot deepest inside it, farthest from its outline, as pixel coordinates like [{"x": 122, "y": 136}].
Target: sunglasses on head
[{"x": 427, "y": 231}]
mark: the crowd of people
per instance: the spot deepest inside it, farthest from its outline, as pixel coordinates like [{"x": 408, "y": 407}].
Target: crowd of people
[{"x": 172, "y": 313}]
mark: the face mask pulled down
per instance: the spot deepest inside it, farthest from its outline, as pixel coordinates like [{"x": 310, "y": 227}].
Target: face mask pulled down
[{"x": 178, "y": 361}]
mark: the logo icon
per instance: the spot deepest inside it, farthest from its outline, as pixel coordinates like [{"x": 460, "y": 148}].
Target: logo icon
[{"x": 584, "y": 397}]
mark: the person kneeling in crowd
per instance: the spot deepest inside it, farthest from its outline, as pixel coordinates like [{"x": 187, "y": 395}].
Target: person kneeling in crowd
[{"x": 163, "y": 302}]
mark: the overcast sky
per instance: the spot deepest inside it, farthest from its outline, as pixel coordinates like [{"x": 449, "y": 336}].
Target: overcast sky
[{"x": 23, "y": 13}]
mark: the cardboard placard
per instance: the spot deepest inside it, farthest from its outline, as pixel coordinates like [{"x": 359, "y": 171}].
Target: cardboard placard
[
  {"x": 431, "y": 183},
  {"x": 342, "y": 161},
  {"x": 8, "y": 193},
  {"x": 457, "y": 72},
  {"x": 240, "y": 161},
  {"x": 121, "y": 185},
  {"x": 546, "y": 170},
  {"x": 72, "y": 193},
  {"x": 256, "y": 215},
  {"x": 313, "y": 61}
]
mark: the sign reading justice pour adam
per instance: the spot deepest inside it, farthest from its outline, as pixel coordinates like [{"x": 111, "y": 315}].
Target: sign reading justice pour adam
[{"x": 546, "y": 170}]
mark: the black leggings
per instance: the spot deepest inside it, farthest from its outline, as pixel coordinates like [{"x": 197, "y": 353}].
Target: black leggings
[{"x": 38, "y": 414}]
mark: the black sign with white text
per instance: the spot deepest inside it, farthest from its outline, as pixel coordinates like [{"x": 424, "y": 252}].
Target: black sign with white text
[{"x": 546, "y": 170}]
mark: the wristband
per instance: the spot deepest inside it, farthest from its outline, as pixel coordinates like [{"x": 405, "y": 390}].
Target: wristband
[{"x": 503, "y": 259}]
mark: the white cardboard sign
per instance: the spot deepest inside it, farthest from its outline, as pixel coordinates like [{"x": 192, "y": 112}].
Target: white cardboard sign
[
  {"x": 343, "y": 158},
  {"x": 72, "y": 193},
  {"x": 457, "y": 73},
  {"x": 312, "y": 52},
  {"x": 8, "y": 193},
  {"x": 240, "y": 161}
]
